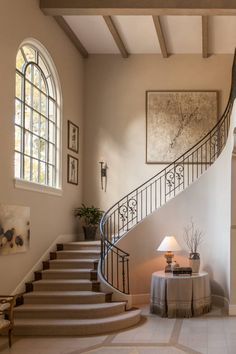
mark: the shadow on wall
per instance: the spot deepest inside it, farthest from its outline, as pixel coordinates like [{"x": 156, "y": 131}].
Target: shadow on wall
[{"x": 216, "y": 288}]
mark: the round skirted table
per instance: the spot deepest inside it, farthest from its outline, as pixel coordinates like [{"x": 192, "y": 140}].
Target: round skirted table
[{"x": 181, "y": 295}]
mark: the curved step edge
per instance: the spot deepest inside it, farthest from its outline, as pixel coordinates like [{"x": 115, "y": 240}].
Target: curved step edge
[{"x": 77, "y": 327}]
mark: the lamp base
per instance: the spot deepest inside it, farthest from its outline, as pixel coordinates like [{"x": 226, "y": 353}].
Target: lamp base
[{"x": 168, "y": 256}]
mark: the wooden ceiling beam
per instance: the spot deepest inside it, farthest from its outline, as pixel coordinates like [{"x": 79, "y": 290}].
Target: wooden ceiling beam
[
  {"x": 116, "y": 36},
  {"x": 72, "y": 36},
  {"x": 160, "y": 35},
  {"x": 138, "y": 7},
  {"x": 204, "y": 36}
]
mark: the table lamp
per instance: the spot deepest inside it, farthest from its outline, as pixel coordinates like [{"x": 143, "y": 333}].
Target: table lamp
[{"x": 168, "y": 245}]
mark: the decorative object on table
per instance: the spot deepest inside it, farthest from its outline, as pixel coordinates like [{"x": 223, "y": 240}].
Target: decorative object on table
[
  {"x": 182, "y": 271},
  {"x": 169, "y": 245},
  {"x": 72, "y": 169},
  {"x": 175, "y": 121},
  {"x": 73, "y": 137},
  {"x": 174, "y": 265},
  {"x": 91, "y": 217},
  {"x": 14, "y": 229},
  {"x": 193, "y": 238},
  {"x": 103, "y": 173}
]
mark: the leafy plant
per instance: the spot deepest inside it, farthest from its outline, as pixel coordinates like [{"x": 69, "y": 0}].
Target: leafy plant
[
  {"x": 192, "y": 237},
  {"x": 89, "y": 215}
]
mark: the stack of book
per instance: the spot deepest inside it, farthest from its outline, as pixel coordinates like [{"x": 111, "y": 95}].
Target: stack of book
[{"x": 182, "y": 271}]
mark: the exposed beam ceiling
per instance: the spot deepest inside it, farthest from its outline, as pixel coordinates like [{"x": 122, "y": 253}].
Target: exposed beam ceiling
[
  {"x": 115, "y": 34},
  {"x": 205, "y": 36},
  {"x": 74, "y": 39},
  {"x": 138, "y": 7},
  {"x": 160, "y": 35}
]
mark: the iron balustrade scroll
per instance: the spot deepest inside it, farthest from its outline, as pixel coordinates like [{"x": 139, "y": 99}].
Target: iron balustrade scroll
[{"x": 154, "y": 193}]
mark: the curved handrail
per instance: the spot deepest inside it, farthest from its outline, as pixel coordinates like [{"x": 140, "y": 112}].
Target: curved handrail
[{"x": 154, "y": 193}]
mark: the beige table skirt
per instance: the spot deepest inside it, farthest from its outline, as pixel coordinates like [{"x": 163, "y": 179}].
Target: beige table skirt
[{"x": 180, "y": 296}]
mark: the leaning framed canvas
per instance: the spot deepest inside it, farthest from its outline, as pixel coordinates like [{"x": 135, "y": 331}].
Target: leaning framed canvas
[
  {"x": 72, "y": 169},
  {"x": 176, "y": 120},
  {"x": 14, "y": 229},
  {"x": 73, "y": 137}
]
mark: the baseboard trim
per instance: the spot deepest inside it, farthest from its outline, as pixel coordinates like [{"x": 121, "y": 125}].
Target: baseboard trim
[
  {"x": 220, "y": 301},
  {"x": 29, "y": 277},
  {"x": 232, "y": 310}
]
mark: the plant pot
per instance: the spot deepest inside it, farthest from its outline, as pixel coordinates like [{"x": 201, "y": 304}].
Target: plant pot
[
  {"x": 194, "y": 262},
  {"x": 90, "y": 232}
]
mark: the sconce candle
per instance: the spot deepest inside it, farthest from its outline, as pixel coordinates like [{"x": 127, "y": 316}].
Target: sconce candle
[{"x": 103, "y": 173}]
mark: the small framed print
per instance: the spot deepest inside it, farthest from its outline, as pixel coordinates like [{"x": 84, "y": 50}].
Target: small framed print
[
  {"x": 72, "y": 169},
  {"x": 73, "y": 137}
]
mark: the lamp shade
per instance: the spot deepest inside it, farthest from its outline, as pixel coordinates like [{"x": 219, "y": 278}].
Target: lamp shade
[{"x": 169, "y": 243}]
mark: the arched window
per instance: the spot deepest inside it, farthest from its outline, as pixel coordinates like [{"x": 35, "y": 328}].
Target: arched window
[{"x": 37, "y": 118}]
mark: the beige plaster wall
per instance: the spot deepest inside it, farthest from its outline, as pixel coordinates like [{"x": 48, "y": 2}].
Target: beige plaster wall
[
  {"x": 115, "y": 115},
  {"x": 50, "y": 215},
  {"x": 115, "y": 130},
  {"x": 207, "y": 202}
]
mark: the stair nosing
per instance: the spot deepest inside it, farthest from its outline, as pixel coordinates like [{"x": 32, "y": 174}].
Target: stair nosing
[
  {"x": 71, "y": 322},
  {"x": 53, "y": 307}
]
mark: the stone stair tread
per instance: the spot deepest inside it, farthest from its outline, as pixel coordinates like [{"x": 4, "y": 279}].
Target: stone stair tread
[
  {"x": 80, "y": 251},
  {"x": 65, "y": 281},
  {"x": 68, "y": 270},
  {"x": 75, "y": 322},
  {"x": 64, "y": 293},
  {"x": 84, "y": 243},
  {"x": 52, "y": 307},
  {"x": 85, "y": 260}
]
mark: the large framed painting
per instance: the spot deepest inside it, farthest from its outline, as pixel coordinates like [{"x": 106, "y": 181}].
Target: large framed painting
[
  {"x": 14, "y": 229},
  {"x": 176, "y": 120}
]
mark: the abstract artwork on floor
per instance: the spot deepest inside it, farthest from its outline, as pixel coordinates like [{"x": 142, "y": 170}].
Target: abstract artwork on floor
[
  {"x": 175, "y": 121},
  {"x": 14, "y": 229}
]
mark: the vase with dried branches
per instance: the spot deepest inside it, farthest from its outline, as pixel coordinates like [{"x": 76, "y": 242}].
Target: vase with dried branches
[{"x": 193, "y": 238}]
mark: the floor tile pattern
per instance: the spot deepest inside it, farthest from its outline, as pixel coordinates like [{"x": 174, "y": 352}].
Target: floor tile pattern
[{"x": 214, "y": 333}]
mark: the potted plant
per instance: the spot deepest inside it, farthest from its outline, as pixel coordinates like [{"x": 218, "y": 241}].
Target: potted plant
[
  {"x": 193, "y": 238},
  {"x": 90, "y": 217}
]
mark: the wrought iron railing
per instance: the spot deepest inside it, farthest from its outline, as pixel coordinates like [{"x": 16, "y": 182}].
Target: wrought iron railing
[{"x": 154, "y": 193}]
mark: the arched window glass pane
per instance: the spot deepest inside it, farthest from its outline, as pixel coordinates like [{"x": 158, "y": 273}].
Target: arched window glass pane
[{"x": 36, "y": 119}]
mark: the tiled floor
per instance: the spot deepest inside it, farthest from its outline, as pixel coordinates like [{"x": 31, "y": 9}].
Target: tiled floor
[{"x": 214, "y": 333}]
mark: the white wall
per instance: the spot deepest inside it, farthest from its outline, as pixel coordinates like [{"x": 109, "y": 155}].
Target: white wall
[
  {"x": 115, "y": 117},
  {"x": 208, "y": 202},
  {"x": 115, "y": 129},
  {"x": 50, "y": 215}
]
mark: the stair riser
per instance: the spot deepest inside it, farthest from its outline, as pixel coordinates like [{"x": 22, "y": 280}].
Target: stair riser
[
  {"x": 64, "y": 299},
  {"x": 62, "y": 287},
  {"x": 72, "y": 265},
  {"x": 64, "y": 275},
  {"x": 68, "y": 255},
  {"x": 72, "y": 314},
  {"x": 76, "y": 330}
]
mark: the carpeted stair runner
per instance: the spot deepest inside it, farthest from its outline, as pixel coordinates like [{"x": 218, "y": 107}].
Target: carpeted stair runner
[{"x": 65, "y": 298}]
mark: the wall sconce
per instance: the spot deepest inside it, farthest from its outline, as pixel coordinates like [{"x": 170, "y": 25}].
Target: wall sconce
[{"x": 103, "y": 173}]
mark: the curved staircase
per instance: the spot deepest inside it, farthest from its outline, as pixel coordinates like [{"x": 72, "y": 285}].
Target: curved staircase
[
  {"x": 65, "y": 298},
  {"x": 130, "y": 210}
]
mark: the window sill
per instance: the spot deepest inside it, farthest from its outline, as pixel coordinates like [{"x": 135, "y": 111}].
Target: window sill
[{"x": 36, "y": 187}]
